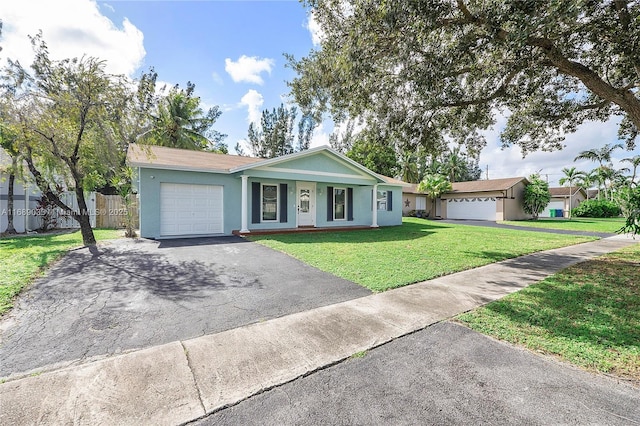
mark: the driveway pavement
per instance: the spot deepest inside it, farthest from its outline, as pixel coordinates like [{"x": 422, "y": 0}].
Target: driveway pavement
[
  {"x": 134, "y": 294},
  {"x": 445, "y": 374},
  {"x": 493, "y": 224}
]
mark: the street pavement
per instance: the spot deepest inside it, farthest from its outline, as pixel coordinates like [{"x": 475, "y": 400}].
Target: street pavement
[{"x": 442, "y": 375}]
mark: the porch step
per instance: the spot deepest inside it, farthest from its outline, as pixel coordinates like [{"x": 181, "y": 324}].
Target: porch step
[{"x": 302, "y": 229}]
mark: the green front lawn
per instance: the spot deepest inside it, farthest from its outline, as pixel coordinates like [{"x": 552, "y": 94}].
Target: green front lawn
[
  {"x": 23, "y": 258},
  {"x": 587, "y": 314},
  {"x": 610, "y": 225},
  {"x": 418, "y": 250}
]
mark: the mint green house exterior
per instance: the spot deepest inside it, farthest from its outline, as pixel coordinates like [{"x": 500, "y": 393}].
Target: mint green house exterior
[{"x": 187, "y": 193}]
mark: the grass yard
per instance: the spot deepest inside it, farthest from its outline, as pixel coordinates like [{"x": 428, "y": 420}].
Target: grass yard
[
  {"x": 416, "y": 251},
  {"x": 588, "y": 314},
  {"x": 587, "y": 224},
  {"x": 22, "y": 258}
]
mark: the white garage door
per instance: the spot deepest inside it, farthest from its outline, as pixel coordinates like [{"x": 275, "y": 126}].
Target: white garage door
[
  {"x": 190, "y": 209},
  {"x": 553, "y": 205},
  {"x": 478, "y": 208}
]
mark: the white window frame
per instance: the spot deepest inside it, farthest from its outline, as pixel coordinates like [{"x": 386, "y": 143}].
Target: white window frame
[
  {"x": 344, "y": 212},
  {"x": 424, "y": 206},
  {"x": 262, "y": 219},
  {"x": 381, "y": 200}
]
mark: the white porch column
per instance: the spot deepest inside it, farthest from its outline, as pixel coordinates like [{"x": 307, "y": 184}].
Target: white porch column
[
  {"x": 243, "y": 221},
  {"x": 374, "y": 201}
]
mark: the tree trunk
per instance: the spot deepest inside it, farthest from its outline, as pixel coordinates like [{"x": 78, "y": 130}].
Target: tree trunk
[
  {"x": 83, "y": 218},
  {"x": 10, "y": 228}
]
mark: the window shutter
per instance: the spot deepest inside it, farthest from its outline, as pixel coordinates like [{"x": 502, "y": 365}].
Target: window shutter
[
  {"x": 329, "y": 203},
  {"x": 255, "y": 202},
  {"x": 350, "y": 204},
  {"x": 283, "y": 202},
  {"x": 373, "y": 204},
  {"x": 389, "y": 201}
]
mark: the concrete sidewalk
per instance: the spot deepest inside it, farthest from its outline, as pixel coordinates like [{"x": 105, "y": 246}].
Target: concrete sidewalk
[{"x": 182, "y": 381}]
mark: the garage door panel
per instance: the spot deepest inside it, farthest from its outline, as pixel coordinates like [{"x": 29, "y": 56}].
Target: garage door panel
[
  {"x": 476, "y": 208},
  {"x": 187, "y": 209}
]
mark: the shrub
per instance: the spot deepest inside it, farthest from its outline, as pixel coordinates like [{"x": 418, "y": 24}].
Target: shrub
[{"x": 596, "y": 208}]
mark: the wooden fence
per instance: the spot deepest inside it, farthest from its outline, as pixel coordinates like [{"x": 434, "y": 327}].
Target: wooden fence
[{"x": 111, "y": 211}]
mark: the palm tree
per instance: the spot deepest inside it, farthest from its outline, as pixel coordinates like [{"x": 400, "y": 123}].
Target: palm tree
[
  {"x": 180, "y": 122},
  {"x": 454, "y": 164},
  {"x": 635, "y": 162},
  {"x": 600, "y": 155},
  {"x": 434, "y": 185},
  {"x": 603, "y": 157},
  {"x": 571, "y": 176}
]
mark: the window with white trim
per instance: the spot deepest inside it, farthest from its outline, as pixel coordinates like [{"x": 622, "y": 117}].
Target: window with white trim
[
  {"x": 269, "y": 203},
  {"x": 339, "y": 203},
  {"x": 421, "y": 203},
  {"x": 381, "y": 200}
]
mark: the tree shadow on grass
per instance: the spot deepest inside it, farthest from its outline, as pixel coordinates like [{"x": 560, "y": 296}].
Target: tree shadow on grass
[{"x": 581, "y": 305}]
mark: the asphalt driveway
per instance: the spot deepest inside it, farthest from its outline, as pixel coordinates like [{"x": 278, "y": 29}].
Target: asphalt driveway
[
  {"x": 130, "y": 294},
  {"x": 444, "y": 374}
]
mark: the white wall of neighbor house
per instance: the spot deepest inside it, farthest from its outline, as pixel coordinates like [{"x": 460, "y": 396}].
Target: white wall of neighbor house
[{"x": 25, "y": 207}]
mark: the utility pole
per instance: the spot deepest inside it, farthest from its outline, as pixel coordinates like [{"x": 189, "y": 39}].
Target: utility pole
[{"x": 487, "y": 174}]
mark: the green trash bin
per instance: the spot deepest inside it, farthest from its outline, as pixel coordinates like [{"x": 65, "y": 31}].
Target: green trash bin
[{"x": 552, "y": 213}]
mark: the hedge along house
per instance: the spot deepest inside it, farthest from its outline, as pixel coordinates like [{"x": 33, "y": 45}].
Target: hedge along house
[{"x": 192, "y": 193}]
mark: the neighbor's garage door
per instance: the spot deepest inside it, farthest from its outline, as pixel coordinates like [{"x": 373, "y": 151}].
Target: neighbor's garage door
[
  {"x": 190, "y": 209},
  {"x": 480, "y": 208},
  {"x": 554, "y": 205}
]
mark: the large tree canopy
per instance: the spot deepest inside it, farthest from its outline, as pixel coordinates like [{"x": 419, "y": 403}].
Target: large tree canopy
[
  {"x": 439, "y": 70},
  {"x": 66, "y": 115}
]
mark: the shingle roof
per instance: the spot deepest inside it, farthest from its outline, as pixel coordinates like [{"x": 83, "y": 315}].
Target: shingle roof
[
  {"x": 476, "y": 185},
  {"x": 485, "y": 185},
  {"x": 163, "y": 157},
  {"x": 563, "y": 191},
  {"x": 183, "y": 159}
]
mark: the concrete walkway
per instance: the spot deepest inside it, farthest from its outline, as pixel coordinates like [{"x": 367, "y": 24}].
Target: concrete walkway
[{"x": 182, "y": 381}]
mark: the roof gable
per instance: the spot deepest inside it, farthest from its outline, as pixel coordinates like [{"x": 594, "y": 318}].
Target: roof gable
[
  {"x": 319, "y": 161},
  {"x": 564, "y": 191}
]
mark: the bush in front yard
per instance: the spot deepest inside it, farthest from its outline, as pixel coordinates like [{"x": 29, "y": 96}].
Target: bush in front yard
[{"x": 596, "y": 208}]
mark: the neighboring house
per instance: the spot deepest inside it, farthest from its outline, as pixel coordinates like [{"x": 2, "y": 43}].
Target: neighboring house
[
  {"x": 189, "y": 193},
  {"x": 494, "y": 199},
  {"x": 25, "y": 204},
  {"x": 592, "y": 194},
  {"x": 415, "y": 201},
  {"x": 560, "y": 200}
]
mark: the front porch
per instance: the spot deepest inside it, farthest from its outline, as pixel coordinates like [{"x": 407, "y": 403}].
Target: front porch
[{"x": 304, "y": 229}]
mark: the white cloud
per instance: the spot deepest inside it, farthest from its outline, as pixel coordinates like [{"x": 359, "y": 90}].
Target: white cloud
[
  {"x": 320, "y": 136},
  {"x": 74, "y": 30},
  {"x": 317, "y": 34},
  {"x": 508, "y": 162},
  {"x": 248, "y": 68},
  {"x": 216, "y": 77},
  {"x": 253, "y": 100}
]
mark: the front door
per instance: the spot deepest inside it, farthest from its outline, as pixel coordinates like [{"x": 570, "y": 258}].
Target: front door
[{"x": 306, "y": 204}]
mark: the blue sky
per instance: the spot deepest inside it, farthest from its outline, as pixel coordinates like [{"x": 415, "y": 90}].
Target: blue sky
[{"x": 233, "y": 52}]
